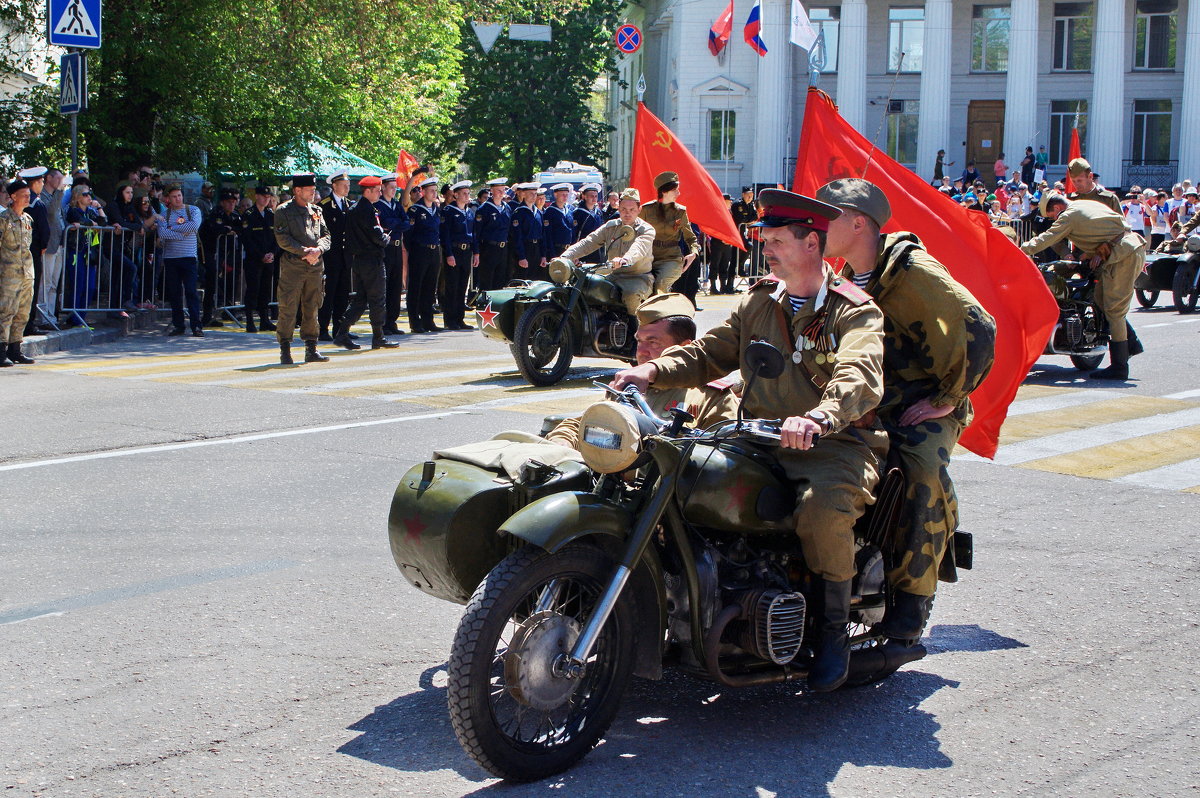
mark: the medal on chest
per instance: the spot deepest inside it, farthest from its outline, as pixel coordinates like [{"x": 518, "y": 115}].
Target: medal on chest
[{"x": 814, "y": 337}]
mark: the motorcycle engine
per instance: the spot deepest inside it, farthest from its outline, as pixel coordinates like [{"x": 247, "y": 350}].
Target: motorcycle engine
[
  {"x": 612, "y": 334},
  {"x": 1070, "y": 331},
  {"x": 775, "y": 627}
]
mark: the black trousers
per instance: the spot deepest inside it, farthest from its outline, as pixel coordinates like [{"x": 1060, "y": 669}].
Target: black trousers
[
  {"x": 533, "y": 256},
  {"x": 370, "y": 293},
  {"x": 454, "y": 284},
  {"x": 721, "y": 271},
  {"x": 257, "y": 298},
  {"x": 493, "y": 266},
  {"x": 393, "y": 268},
  {"x": 689, "y": 282},
  {"x": 34, "y": 316},
  {"x": 337, "y": 290},
  {"x": 208, "y": 283},
  {"x": 424, "y": 263}
]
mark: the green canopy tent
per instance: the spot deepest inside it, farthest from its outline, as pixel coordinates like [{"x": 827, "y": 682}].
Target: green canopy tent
[{"x": 316, "y": 155}]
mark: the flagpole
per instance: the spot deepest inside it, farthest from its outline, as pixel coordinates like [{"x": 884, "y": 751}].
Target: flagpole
[{"x": 886, "y": 106}]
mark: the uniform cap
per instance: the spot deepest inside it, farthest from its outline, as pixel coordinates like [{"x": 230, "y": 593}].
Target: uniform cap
[
  {"x": 1190, "y": 192},
  {"x": 660, "y": 306},
  {"x": 460, "y": 184},
  {"x": 393, "y": 177},
  {"x": 632, "y": 194},
  {"x": 228, "y": 194},
  {"x": 856, "y": 194},
  {"x": 1078, "y": 166},
  {"x": 16, "y": 186},
  {"x": 561, "y": 187},
  {"x": 747, "y": 188},
  {"x": 663, "y": 178},
  {"x": 429, "y": 181},
  {"x": 498, "y": 181},
  {"x": 341, "y": 173},
  {"x": 541, "y": 191},
  {"x": 590, "y": 187},
  {"x": 264, "y": 191},
  {"x": 206, "y": 184},
  {"x": 1045, "y": 201},
  {"x": 304, "y": 179},
  {"x": 370, "y": 181},
  {"x": 32, "y": 173},
  {"x": 779, "y": 208}
]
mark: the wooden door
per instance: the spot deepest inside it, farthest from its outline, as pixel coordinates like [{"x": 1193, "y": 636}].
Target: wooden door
[{"x": 985, "y": 135}]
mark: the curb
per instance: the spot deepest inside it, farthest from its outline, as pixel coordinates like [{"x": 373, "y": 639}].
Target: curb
[{"x": 83, "y": 337}]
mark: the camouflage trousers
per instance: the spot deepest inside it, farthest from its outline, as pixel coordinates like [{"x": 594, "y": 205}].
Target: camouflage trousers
[
  {"x": 930, "y": 512},
  {"x": 16, "y": 299}
]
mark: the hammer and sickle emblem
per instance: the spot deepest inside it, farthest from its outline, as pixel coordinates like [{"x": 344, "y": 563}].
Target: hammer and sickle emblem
[{"x": 663, "y": 140}]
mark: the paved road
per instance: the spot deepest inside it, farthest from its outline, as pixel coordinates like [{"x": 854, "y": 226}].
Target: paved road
[{"x": 196, "y": 595}]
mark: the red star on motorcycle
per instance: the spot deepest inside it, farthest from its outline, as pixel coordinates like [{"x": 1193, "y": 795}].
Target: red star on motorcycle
[
  {"x": 487, "y": 316},
  {"x": 413, "y": 528}
]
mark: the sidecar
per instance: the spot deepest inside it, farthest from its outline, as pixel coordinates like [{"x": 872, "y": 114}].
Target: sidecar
[{"x": 499, "y": 310}]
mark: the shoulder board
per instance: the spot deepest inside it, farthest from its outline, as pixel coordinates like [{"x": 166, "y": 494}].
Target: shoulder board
[
  {"x": 326, "y": 200},
  {"x": 680, "y": 207},
  {"x": 850, "y": 291},
  {"x": 724, "y": 384},
  {"x": 765, "y": 284}
]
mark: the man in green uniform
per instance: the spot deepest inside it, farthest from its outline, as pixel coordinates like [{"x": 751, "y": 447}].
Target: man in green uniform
[
  {"x": 627, "y": 242},
  {"x": 833, "y": 334},
  {"x": 666, "y": 320},
  {"x": 1086, "y": 187},
  {"x": 16, "y": 273},
  {"x": 670, "y": 221},
  {"x": 1116, "y": 255},
  {"x": 301, "y": 233},
  {"x": 939, "y": 344}
]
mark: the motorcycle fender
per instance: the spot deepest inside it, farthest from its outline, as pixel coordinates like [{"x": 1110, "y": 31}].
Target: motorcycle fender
[
  {"x": 496, "y": 313},
  {"x": 562, "y": 518}
]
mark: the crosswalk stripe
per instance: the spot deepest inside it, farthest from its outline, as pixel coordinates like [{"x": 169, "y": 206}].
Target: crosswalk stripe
[
  {"x": 1177, "y": 476},
  {"x": 298, "y": 373},
  {"x": 528, "y": 399},
  {"x": 106, "y": 365},
  {"x": 424, "y": 376},
  {"x": 1125, "y": 457},
  {"x": 1108, "y": 411},
  {"x": 1093, "y": 436},
  {"x": 1057, "y": 401},
  {"x": 1192, "y": 394}
]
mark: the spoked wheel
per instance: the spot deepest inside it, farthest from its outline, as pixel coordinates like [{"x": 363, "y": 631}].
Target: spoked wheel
[
  {"x": 874, "y": 658},
  {"x": 1184, "y": 290},
  {"x": 512, "y": 710},
  {"x": 539, "y": 358},
  {"x": 1147, "y": 297}
]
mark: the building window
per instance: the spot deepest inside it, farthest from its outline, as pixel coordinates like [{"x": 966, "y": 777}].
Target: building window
[
  {"x": 1065, "y": 115},
  {"x": 1151, "y": 131},
  {"x": 1073, "y": 37},
  {"x": 827, "y": 21},
  {"x": 989, "y": 38},
  {"x": 902, "y": 131},
  {"x": 721, "y": 126},
  {"x": 906, "y": 39},
  {"x": 1154, "y": 34}
]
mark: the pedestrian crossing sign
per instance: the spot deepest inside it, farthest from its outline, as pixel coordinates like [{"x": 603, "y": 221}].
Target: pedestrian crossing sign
[
  {"x": 73, "y": 23},
  {"x": 72, "y": 92}
]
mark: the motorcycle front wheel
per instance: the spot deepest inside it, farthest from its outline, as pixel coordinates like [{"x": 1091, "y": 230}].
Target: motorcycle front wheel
[
  {"x": 1087, "y": 362},
  {"x": 1146, "y": 297},
  {"x": 1184, "y": 290},
  {"x": 512, "y": 713},
  {"x": 539, "y": 358}
]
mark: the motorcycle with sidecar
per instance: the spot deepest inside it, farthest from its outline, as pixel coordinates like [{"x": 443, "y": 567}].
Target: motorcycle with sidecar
[
  {"x": 1082, "y": 329},
  {"x": 1177, "y": 272}
]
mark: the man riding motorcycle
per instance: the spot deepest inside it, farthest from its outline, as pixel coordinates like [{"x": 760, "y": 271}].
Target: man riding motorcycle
[
  {"x": 834, "y": 334},
  {"x": 628, "y": 243},
  {"x": 665, "y": 320}
]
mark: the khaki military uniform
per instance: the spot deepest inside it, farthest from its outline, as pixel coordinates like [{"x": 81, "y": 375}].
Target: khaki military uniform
[
  {"x": 16, "y": 275},
  {"x": 616, "y": 240},
  {"x": 669, "y": 222},
  {"x": 834, "y": 346},
  {"x": 1101, "y": 195},
  {"x": 301, "y": 284},
  {"x": 939, "y": 344},
  {"x": 1094, "y": 228},
  {"x": 1191, "y": 225}
]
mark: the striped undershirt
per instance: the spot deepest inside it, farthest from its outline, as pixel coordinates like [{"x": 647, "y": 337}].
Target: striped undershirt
[
  {"x": 798, "y": 302},
  {"x": 861, "y": 280}
]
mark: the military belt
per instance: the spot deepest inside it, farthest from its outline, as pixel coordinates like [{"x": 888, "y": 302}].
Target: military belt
[
  {"x": 397, "y": 243},
  {"x": 533, "y": 241},
  {"x": 464, "y": 245},
  {"x": 429, "y": 246},
  {"x": 501, "y": 244}
]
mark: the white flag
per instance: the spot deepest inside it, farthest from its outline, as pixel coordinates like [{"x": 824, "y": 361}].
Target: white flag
[{"x": 803, "y": 32}]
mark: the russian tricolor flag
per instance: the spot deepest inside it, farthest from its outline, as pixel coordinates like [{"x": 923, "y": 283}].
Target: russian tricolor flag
[
  {"x": 753, "y": 29},
  {"x": 718, "y": 34}
]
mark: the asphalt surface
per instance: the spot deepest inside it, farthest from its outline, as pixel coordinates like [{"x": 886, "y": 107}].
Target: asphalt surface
[{"x": 197, "y": 596}]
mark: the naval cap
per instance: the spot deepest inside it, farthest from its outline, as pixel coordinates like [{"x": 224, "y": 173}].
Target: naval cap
[
  {"x": 779, "y": 208},
  {"x": 661, "y": 306},
  {"x": 561, "y": 187},
  {"x": 590, "y": 187},
  {"x": 460, "y": 184},
  {"x": 32, "y": 173},
  {"x": 498, "y": 181},
  {"x": 856, "y": 194},
  {"x": 340, "y": 173},
  {"x": 429, "y": 181},
  {"x": 393, "y": 177}
]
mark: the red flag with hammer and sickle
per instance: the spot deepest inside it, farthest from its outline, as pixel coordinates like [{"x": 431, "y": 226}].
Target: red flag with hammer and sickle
[{"x": 656, "y": 150}]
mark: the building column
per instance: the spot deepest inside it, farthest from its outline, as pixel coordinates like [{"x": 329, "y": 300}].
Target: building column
[
  {"x": 1021, "y": 88},
  {"x": 852, "y": 64},
  {"x": 774, "y": 95},
  {"x": 933, "y": 119},
  {"x": 1189, "y": 120},
  {"x": 1106, "y": 111}
]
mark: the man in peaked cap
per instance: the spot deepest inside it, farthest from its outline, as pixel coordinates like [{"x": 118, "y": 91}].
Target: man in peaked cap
[
  {"x": 392, "y": 207},
  {"x": 832, "y": 336},
  {"x": 745, "y": 212},
  {"x": 302, "y": 234},
  {"x": 926, "y": 403},
  {"x": 627, "y": 242},
  {"x": 366, "y": 239},
  {"x": 493, "y": 221},
  {"x": 335, "y": 208},
  {"x": 1086, "y": 187},
  {"x": 35, "y": 178},
  {"x": 16, "y": 273},
  {"x": 666, "y": 320},
  {"x": 219, "y": 237},
  {"x": 527, "y": 243},
  {"x": 262, "y": 258},
  {"x": 424, "y": 241}
]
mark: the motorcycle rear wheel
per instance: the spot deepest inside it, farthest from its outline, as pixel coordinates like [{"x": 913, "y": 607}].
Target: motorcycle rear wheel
[
  {"x": 1184, "y": 290},
  {"x": 1087, "y": 362},
  {"x": 1146, "y": 297},
  {"x": 510, "y": 712},
  {"x": 538, "y": 359}
]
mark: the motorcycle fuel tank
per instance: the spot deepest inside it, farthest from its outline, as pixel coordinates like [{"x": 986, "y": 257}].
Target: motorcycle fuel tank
[
  {"x": 732, "y": 488},
  {"x": 601, "y": 291}
]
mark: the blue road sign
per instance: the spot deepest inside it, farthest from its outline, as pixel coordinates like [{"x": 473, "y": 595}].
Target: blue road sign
[
  {"x": 72, "y": 89},
  {"x": 73, "y": 23}
]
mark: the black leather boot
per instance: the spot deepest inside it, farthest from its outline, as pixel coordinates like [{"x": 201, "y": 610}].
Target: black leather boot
[
  {"x": 16, "y": 356},
  {"x": 250, "y": 328},
  {"x": 4, "y": 361},
  {"x": 1118, "y": 367},
  {"x": 905, "y": 617},
  {"x": 1135, "y": 343},
  {"x": 831, "y": 662},
  {"x": 265, "y": 324},
  {"x": 285, "y": 353},
  {"x": 342, "y": 339},
  {"x": 311, "y": 355},
  {"x": 378, "y": 341}
]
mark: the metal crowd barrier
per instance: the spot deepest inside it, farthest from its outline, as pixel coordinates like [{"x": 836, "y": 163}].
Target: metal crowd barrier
[
  {"x": 108, "y": 270},
  {"x": 1023, "y": 228},
  {"x": 229, "y": 260}
]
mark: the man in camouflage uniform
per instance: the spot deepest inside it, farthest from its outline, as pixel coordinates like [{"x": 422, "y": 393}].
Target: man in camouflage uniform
[
  {"x": 833, "y": 334},
  {"x": 16, "y": 273},
  {"x": 670, "y": 221},
  {"x": 666, "y": 320},
  {"x": 939, "y": 344},
  {"x": 301, "y": 233},
  {"x": 1086, "y": 187},
  {"x": 627, "y": 242},
  {"x": 1114, "y": 253}
]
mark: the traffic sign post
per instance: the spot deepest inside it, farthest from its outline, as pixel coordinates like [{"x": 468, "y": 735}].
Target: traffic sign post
[
  {"x": 628, "y": 39},
  {"x": 73, "y": 23}
]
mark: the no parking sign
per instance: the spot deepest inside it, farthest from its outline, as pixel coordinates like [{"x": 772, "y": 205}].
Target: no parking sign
[{"x": 628, "y": 38}]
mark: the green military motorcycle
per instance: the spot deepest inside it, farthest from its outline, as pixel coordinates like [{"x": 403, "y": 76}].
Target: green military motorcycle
[
  {"x": 578, "y": 313},
  {"x": 665, "y": 547}
]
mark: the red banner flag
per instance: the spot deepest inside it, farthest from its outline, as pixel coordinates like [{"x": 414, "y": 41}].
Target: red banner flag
[
  {"x": 718, "y": 34},
  {"x": 1073, "y": 153},
  {"x": 979, "y": 256},
  {"x": 655, "y": 150},
  {"x": 405, "y": 164}
]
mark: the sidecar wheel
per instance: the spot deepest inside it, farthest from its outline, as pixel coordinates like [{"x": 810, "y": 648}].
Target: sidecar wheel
[
  {"x": 1147, "y": 297},
  {"x": 538, "y": 358},
  {"x": 1087, "y": 362},
  {"x": 1183, "y": 293},
  {"x": 512, "y": 714}
]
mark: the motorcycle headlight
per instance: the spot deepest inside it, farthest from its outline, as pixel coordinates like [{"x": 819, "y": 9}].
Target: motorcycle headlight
[
  {"x": 559, "y": 270},
  {"x": 1193, "y": 243},
  {"x": 610, "y": 437}
]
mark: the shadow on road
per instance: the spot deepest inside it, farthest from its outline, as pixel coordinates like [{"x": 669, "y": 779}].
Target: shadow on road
[
  {"x": 967, "y": 637},
  {"x": 1067, "y": 374},
  {"x": 687, "y": 736}
]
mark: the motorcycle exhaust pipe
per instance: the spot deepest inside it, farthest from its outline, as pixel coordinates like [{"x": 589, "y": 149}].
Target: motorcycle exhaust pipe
[
  {"x": 712, "y": 649},
  {"x": 866, "y": 663}
]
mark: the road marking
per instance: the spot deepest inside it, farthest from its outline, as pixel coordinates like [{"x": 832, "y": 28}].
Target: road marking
[
  {"x": 1177, "y": 476},
  {"x": 262, "y": 436},
  {"x": 1126, "y": 457},
  {"x": 1058, "y": 401},
  {"x": 533, "y": 398},
  {"x": 319, "y": 371},
  {"x": 1112, "y": 410},
  {"x": 1092, "y": 436},
  {"x": 1192, "y": 394},
  {"x": 424, "y": 376}
]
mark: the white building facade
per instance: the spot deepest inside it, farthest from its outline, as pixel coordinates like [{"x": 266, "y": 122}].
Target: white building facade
[{"x": 975, "y": 79}]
